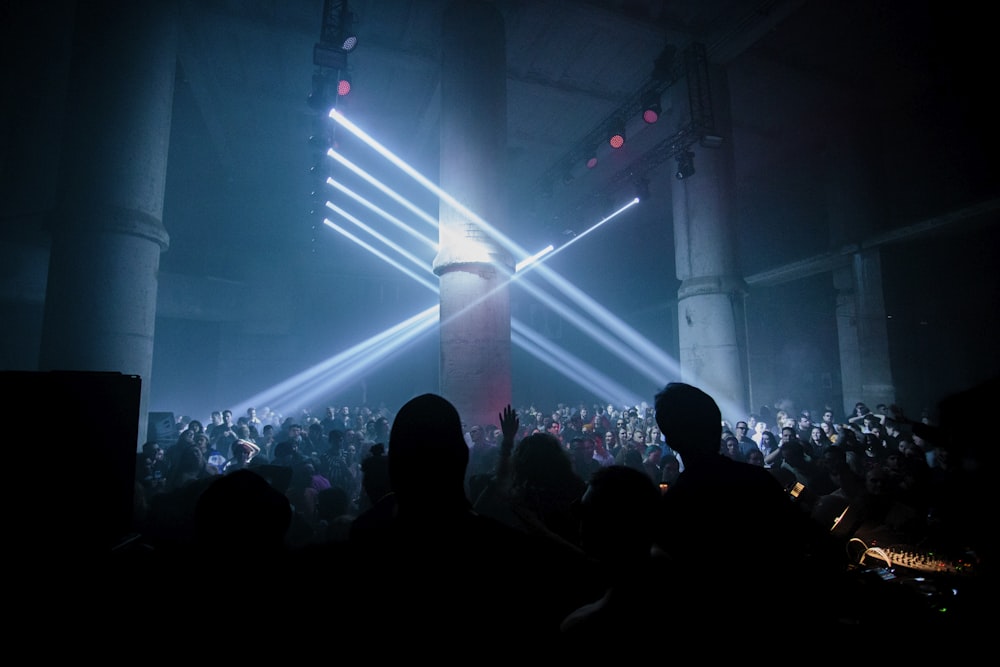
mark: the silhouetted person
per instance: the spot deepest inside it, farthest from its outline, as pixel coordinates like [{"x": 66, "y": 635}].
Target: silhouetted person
[
  {"x": 242, "y": 515},
  {"x": 334, "y": 515},
  {"x": 739, "y": 548},
  {"x": 618, "y": 520},
  {"x": 375, "y": 478},
  {"x": 446, "y": 574},
  {"x": 537, "y": 495}
]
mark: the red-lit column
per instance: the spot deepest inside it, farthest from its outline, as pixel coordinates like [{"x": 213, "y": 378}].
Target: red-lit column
[
  {"x": 107, "y": 231},
  {"x": 475, "y": 302}
]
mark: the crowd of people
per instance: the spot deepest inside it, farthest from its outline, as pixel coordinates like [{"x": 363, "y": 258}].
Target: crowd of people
[
  {"x": 577, "y": 522},
  {"x": 835, "y": 460}
]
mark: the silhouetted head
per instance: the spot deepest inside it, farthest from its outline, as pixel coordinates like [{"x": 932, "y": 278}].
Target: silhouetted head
[
  {"x": 375, "y": 474},
  {"x": 285, "y": 449},
  {"x": 618, "y": 515},
  {"x": 332, "y": 503},
  {"x": 427, "y": 452},
  {"x": 191, "y": 460},
  {"x": 242, "y": 513},
  {"x": 541, "y": 461},
  {"x": 689, "y": 419},
  {"x": 336, "y": 440}
]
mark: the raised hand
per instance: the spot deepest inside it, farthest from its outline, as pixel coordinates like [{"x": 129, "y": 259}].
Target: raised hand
[{"x": 509, "y": 424}]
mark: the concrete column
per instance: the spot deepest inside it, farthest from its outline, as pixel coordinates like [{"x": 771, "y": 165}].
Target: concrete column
[
  {"x": 473, "y": 269},
  {"x": 861, "y": 329},
  {"x": 865, "y": 369},
  {"x": 107, "y": 229},
  {"x": 710, "y": 298}
]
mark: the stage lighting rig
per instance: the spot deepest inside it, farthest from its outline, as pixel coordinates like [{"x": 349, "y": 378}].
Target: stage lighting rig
[{"x": 685, "y": 165}]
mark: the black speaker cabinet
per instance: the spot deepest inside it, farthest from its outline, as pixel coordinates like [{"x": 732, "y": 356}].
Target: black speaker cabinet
[{"x": 70, "y": 465}]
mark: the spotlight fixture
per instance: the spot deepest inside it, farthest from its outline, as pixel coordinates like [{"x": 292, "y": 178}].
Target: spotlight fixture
[
  {"x": 317, "y": 208},
  {"x": 651, "y": 109},
  {"x": 321, "y": 140},
  {"x": 617, "y": 137},
  {"x": 317, "y": 101},
  {"x": 337, "y": 35},
  {"x": 320, "y": 171},
  {"x": 344, "y": 85},
  {"x": 319, "y": 98},
  {"x": 685, "y": 165},
  {"x": 349, "y": 38}
]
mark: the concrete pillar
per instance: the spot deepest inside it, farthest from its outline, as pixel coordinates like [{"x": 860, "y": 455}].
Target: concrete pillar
[
  {"x": 473, "y": 269},
  {"x": 865, "y": 369},
  {"x": 107, "y": 229},
  {"x": 861, "y": 329},
  {"x": 710, "y": 298}
]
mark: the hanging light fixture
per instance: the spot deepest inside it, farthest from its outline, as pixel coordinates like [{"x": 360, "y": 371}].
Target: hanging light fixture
[
  {"x": 344, "y": 85},
  {"x": 651, "y": 108},
  {"x": 349, "y": 38},
  {"x": 617, "y": 136},
  {"x": 685, "y": 165}
]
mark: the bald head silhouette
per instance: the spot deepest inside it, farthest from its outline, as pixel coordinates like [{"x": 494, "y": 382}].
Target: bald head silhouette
[{"x": 689, "y": 419}]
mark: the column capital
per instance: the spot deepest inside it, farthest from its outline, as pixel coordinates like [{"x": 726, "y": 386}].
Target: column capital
[
  {"x": 111, "y": 220},
  {"x": 730, "y": 284}
]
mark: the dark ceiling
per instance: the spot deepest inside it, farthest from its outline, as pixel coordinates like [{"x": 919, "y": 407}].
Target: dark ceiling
[{"x": 894, "y": 76}]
